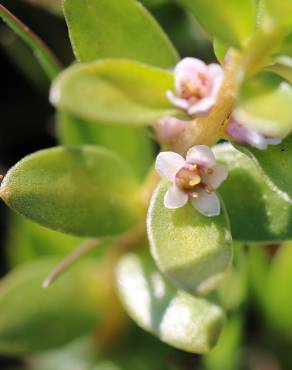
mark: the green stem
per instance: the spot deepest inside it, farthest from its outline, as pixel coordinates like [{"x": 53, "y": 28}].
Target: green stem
[{"x": 43, "y": 54}]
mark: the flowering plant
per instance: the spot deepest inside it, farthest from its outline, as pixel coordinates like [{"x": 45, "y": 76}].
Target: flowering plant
[{"x": 166, "y": 228}]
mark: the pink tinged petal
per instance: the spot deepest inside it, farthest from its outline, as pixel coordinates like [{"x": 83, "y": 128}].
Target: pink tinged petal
[
  {"x": 202, "y": 107},
  {"x": 175, "y": 198},
  {"x": 190, "y": 66},
  {"x": 178, "y": 102},
  {"x": 202, "y": 155},
  {"x": 216, "y": 75},
  {"x": 168, "y": 164},
  {"x": 218, "y": 175},
  {"x": 207, "y": 204}
]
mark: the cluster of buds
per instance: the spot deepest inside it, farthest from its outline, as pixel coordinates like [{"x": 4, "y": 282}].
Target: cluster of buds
[{"x": 196, "y": 177}]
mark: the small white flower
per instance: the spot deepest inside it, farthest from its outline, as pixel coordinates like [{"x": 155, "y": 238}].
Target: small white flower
[
  {"x": 193, "y": 178},
  {"x": 196, "y": 85},
  {"x": 239, "y": 129}
]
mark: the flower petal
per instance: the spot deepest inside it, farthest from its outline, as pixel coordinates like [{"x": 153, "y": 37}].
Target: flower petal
[
  {"x": 190, "y": 66},
  {"x": 178, "y": 102},
  {"x": 201, "y": 154},
  {"x": 168, "y": 164},
  {"x": 216, "y": 75},
  {"x": 207, "y": 204},
  {"x": 202, "y": 107},
  {"x": 175, "y": 198},
  {"x": 215, "y": 179}
]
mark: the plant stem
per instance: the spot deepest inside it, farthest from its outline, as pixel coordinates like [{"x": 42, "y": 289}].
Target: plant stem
[
  {"x": 68, "y": 261},
  {"x": 43, "y": 54}
]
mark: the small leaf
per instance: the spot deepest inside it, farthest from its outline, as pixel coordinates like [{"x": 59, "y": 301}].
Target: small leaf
[
  {"x": 114, "y": 92},
  {"x": 220, "y": 50},
  {"x": 275, "y": 163},
  {"x": 226, "y": 354},
  {"x": 33, "y": 319},
  {"x": 193, "y": 250},
  {"x": 176, "y": 317},
  {"x": 111, "y": 29},
  {"x": 231, "y": 21},
  {"x": 130, "y": 143},
  {"x": 281, "y": 11},
  {"x": 257, "y": 211},
  {"x": 267, "y": 99},
  {"x": 83, "y": 190}
]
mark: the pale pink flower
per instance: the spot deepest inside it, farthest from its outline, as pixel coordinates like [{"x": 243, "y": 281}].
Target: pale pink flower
[
  {"x": 196, "y": 86},
  {"x": 242, "y": 131},
  {"x": 193, "y": 178},
  {"x": 168, "y": 129}
]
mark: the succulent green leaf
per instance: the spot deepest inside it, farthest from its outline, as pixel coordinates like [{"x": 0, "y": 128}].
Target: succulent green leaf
[
  {"x": 111, "y": 29},
  {"x": 257, "y": 211},
  {"x": 114, "y": 92},
  {"x": 231, "y": 21},
  {"x": 275, "y": 163},
  {"x": 130, "y": 143},
  {"x": 33, "y": 319},
  {"x": 267, "y": 100},
  {"x": 193, "y": 250},
  {"x": 282, "y": 67},
  {"x": 83, "y": 190},
  {"x": 176, "y": 317},
  {"x": 281, "y": 11},
  {"x": 226, "y": 354}
]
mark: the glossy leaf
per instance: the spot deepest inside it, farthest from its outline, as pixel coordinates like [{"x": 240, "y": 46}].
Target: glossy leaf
[
  {"x": 176, "y": 317},
  {"x": 114, "y": 92},
  {"x": 86, "y": 191},
  {"x": 220, "y": 50},
  {"x": 275, "y": 163},
  {"x": 111, "y": 29},
  {"x": 131, "y": 144},
  {"x": 282, "y": 67},
  {"x": 33, "y": 319},
  {"x": 231, "y": 21},
  {"x": 257, "y": 211},
  {"x": 267, "y": 99},
  {"x": 193, "y": 250}
]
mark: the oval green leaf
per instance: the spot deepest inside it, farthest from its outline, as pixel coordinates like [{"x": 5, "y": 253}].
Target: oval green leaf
[
  {"x": 84, "y": 190},
  {"x": 130, "y": 143},
  {"x": 176, "y": 317},
  {"x": 193, "y": 250},
  {"x": 267, "y": 101},
  {"x": 231, "y": 21},
  {"x": 275, "y": 163},
  {"x": 117, "y": 29},
  {"x": 115, "y": 92},
  {"x": 33, "y": 319},
  {"x": 257, "y": 211}
]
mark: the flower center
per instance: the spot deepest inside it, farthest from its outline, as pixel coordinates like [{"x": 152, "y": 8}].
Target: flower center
[
  {"x": 198, "y": 88},
  {"x": 189, "y": 178}
]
